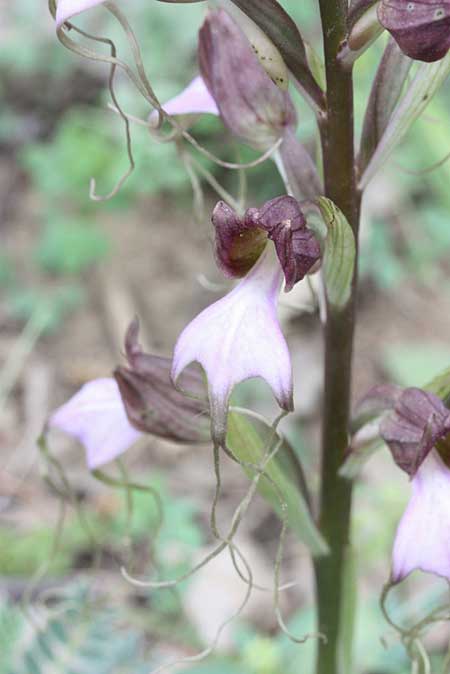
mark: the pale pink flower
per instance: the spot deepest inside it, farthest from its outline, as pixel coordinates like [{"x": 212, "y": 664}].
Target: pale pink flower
[{"x": 96, "y": 417}]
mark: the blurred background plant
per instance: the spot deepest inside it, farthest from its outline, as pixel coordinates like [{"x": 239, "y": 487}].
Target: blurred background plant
[{"x": 72, "y": 274}]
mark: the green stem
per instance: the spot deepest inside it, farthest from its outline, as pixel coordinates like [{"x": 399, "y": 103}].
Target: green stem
[{"x": 339, "y": 167}]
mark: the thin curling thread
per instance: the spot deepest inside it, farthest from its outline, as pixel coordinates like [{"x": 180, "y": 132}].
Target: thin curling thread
[
  {"x": 129, "y": 486},
  {"x": 129, "y": 504},
  {"x": 197, "y": 191},
  {"x": 134, "y": 486},
  {"x": 424, "y": 171},
  {"x": 126, "y": 175},
  {"x": 41, "y": 572},
  {"x": 225, "y": 541},
  {"x": 144, "y": 87},
  {"x": 226, "y": 164},
  {"x": 210, "y": 649},
  {"x": 135, "y": 49},
  {"x": 411, "y": 638},
  {"x": 260, "y": 470},
  {"x": 217, "y": 187},
  {"x": 280, "y": 550},
  {"x": 66, "y": 492},
  {"x": 242, "y": 185},
  {"x": 137, "y": 55},
  {"x": 301, "y": 478},
  {"x": 112, "y": 73}
]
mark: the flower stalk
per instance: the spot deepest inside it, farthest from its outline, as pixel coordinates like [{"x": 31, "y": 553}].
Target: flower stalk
[{"x": 337, "y": 132}]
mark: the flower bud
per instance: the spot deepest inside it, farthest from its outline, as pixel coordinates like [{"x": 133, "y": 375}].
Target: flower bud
[
  {"x": 420, "y": 27},
  {"x": 152, "y": 403},
  {"x": 251, "y": 105}
]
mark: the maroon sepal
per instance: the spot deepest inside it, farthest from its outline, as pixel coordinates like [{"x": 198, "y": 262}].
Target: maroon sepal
[
  {"x": 237, "y": 245},
  {"x": 152, "y": 403},
  {"x": 240, "y": 241},
  {"x": 418, "y": 421},
  {"x": 297, "y": 247},
  {"x": 421, "y": 27}
]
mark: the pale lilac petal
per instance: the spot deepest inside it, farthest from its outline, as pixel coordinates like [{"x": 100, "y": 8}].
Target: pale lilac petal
[
  {"x": 194, "y": 100},
  {"x": 239, "y": 337},
  {"x": 422, "y": 540},
  {"x": 96, "y": 417},
  {"x": 66, "y": 9}
]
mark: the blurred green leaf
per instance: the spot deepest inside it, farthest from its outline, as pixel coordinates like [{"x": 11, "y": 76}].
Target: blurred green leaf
[
  {"x": 48, "y": 306},
  {"x": 378, "y": 258},
  {"x": 26, "y": 553},
  {"x": 7, "y": 274},
  {"x": 248, "y": 446},
  {"x": 87, "y": 145},
  {"x": 413, "y": 364},
  {"x": 70, "y": 247}
]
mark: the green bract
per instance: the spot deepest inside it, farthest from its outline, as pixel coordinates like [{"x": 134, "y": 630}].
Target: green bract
[{"x": 339, "y": 254}]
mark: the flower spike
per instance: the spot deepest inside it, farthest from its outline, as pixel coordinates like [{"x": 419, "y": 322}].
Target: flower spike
[
  {"x": 237, "y": 338},
  {"x": 96, "y": 417}
]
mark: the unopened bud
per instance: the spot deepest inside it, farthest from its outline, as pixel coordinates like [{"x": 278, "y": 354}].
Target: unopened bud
[{"x": 251, "y": 105}]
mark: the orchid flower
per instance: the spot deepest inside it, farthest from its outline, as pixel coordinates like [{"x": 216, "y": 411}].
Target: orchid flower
[
  {"x": 416, "y": 432},
  {"x": 96, "y": 417},
  {"x": 422, "y": 540},
  {"x": 108, "y": 415},
  {"x": 239, "y": 336},
  {"x": 194, "y": 100}
]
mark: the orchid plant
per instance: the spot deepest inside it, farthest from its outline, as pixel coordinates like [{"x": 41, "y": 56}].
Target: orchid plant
[{"x": 251, "y": 56}]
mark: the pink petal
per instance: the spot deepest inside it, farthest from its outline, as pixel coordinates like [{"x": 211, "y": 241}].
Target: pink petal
[
  {"x": 96, "y": 417},
  {"x": 66, "y": 9},
  {"x": 194, "y": 100},
  {"x": 239, "y": 337},
  {"x": 422, "y": 540}
]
